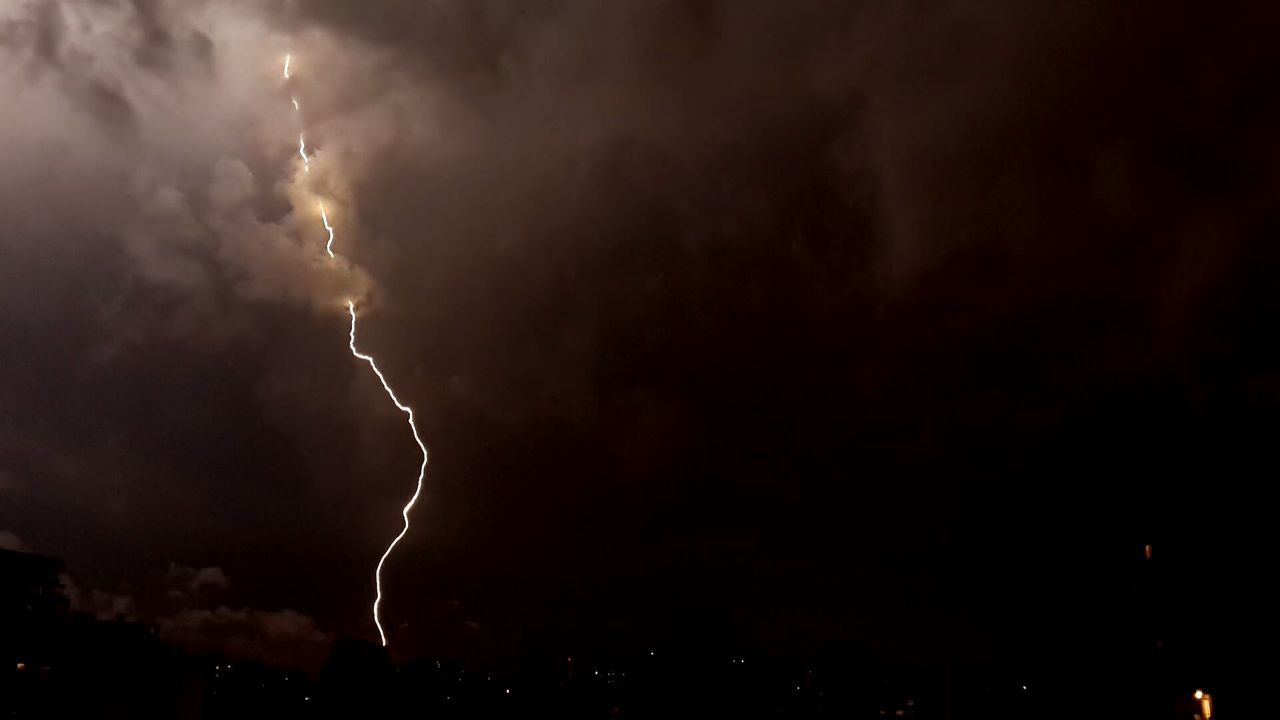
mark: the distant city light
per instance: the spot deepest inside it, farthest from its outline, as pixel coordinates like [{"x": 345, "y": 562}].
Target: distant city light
[{"x": 1206, "y": 704}]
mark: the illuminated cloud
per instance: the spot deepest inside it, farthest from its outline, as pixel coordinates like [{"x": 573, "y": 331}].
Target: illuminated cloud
[
  {"x": 10, "y": 541},
  {"x": 212, "y": 578},
  {"x": 179, "y": 148},
  {"x": 194, "y": 580},
  {"x": 284, "y": 637}
]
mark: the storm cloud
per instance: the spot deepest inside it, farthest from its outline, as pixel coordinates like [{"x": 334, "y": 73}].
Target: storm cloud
[{"x": 668, "y": 283}]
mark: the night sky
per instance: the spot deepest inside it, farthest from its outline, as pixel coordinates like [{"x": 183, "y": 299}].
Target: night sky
[{"x": 903, "y": 323}]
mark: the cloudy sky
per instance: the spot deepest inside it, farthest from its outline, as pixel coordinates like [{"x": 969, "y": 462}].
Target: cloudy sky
[{"x": 824, "y": 315}]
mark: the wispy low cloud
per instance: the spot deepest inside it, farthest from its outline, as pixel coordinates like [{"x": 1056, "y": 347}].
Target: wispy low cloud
[
  {"x": 280, "y": 637},
  {"x": 10, "y": 541},
  {"x": 188, "y": 579}
]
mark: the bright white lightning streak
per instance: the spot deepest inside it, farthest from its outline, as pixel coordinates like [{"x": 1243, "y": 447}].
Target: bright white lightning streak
[
  {"x": 324, "y": 216},
  {"x": 422, "y": 470},
  {"x": 302, "y": 150}
]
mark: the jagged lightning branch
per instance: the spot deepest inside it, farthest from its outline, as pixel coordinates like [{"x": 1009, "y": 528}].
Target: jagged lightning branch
[
  {"x": 302, "y": 150},
  {"x": 422, "y": 469},
  {"x": 324, "y": 217},
  {"x": 351, "y": 308}
]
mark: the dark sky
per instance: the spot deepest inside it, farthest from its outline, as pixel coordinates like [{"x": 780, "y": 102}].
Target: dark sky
[{"x": 839, "y": 319}]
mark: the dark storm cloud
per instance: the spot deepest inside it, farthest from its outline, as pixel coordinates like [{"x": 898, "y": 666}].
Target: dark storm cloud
[
  {"x": 156, "y": 40},
  {"x": 592, "y": 159},
  {"x": 109, "y": 106},
  {"x": 142, "y": 216},
  {"x": 49, "y": 29},
  {"x": 801, "y": 277},
  {"x": 44, "y": 24},
  {"x": 677, "y": 289},
  {"x": 40, "y": 38}
]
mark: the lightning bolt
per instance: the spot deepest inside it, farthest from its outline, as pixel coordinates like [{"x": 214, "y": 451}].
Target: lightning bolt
[
  {"x": 373, "y": 365},
  {"x": 324, "y": 217},
  {"x": 302, "y": 150},
  {"x": 422, "y": 470}
]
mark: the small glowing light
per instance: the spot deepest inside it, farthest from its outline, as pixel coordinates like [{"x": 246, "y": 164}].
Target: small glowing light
[
  {"x": 287, "y": 60},
  {"x": 1199, "y": 694},
  {"x": 22, "y": 667},
  {"x": 650, "y": 653},
  {"x": 508, "y": 691},
  {"x": 1147, "y": 551}
]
